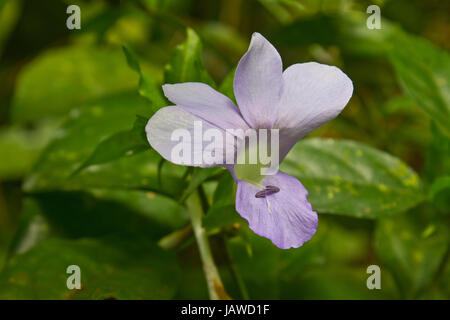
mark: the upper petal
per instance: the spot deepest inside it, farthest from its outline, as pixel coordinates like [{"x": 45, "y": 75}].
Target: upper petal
[
  {"x": 171, "y": 126},
  {"x": 285, "y": 217},
  {"x": 313, "y": 94},
  {"x": 206, "y": 103},
  {"x": 258, "y": 83}
]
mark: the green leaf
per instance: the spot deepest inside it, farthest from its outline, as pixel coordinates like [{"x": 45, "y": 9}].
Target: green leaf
[
  {"x": 121, "y": 144},
  {"x": 61, "y": 79},
  {"x": 79, "y": 137},
  {"x": 132, "y": 60},
  {"x": 224, "y": 39},
  {"x": 127, "y": 268},
  {"x": 350, "y": 178},
  {"x": 222, "y": 213},
  {"x": 98, "y": 212},
  {"x": 186, "y": 64},
  {"x": 148, "y": 87},
  {"x": 412, "y": 247},
  {"x": 32, "y": 228},
  {"x": 440, "y": 194},
  {"x": 424, "y": 72},
  {"x": 19, "y": 149},
  {"x": 348, "y": 31},
  {"x": 95, "y": 213},
  {"x": 226, "y": 87},
  {"x": 437, "y": 162},
  {"x": 9, "y": 15},
  {"x": 199, "y": 175}
]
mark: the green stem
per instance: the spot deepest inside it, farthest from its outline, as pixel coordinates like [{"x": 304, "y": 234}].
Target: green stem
[
  {"x": 175, "y": 239},
  {"x": 215, "y": 285},
  {"x": 234, "y": 271}
]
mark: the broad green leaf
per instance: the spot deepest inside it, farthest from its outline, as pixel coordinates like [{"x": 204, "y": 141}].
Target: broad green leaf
[
  {"x": 20, "y": 147},
  {"x": 437, "y": 162},
  {"x": 79, "y": 137},
  {"x": 98, "y": 212},
  {"x": 186, "y": 64},
  {"x": 412, "y": 246},
  {"x": 440, "y": 194},
  {"x": 424, "y": 72},
  {"x": 121, "y": 144},
  {"x": 94, "y": 213},
  {"x": 350, "y": 178},
  {"x": 112, "y": 268},
  {"x": 62, "y": 79}
]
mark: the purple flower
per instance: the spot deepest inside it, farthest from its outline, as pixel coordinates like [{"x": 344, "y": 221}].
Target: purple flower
[{"x": 296, "y": 101}]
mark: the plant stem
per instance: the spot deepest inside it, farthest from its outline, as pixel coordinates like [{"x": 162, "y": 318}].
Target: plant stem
[
  {"x": 175, "y": 239},
  {"x": 215, "y": 285},
  {"x": 234, "y": 270}
]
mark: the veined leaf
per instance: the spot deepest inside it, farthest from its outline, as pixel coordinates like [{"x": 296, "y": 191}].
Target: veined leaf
[
  {"x": 350, "y": 178},
  {"x": 125, "y": 269},
  {"x": 121, "y": 144}
]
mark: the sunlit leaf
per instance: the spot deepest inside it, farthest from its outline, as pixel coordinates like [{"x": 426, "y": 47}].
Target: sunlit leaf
[
  {"x": 186, "y": 64},
  {"x": 74, "y": 76},
  {"x": 350, "y": 178},
  {"x": 121, "y": 144}
]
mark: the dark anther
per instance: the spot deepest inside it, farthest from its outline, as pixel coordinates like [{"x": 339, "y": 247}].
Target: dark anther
[{"x": 268, "y": 190}]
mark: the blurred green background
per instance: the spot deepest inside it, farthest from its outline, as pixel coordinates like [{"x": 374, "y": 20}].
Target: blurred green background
[{"x": 79, "y": 185}]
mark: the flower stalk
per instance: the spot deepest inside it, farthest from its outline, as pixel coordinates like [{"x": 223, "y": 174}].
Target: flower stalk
[{"x": 215, "y": 285}]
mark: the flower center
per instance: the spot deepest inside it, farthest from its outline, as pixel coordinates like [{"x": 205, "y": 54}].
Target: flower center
[
  {"x": 255, "y": 156},
  {"x": 249, "y": 166}
]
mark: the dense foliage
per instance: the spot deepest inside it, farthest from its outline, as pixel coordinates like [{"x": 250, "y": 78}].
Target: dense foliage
[{"x": 80, "y": 185}]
